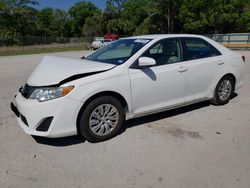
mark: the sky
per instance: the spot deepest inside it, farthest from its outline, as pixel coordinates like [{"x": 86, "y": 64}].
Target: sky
[{"x": 66, "y": 4}]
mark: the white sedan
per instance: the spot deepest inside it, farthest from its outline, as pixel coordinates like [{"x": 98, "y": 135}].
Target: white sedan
[{"x": 129, "y": 78}]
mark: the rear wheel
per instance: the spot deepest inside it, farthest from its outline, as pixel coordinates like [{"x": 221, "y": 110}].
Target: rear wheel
[
  {"x": 223, "y": 91},
  {"x": 102, "y": 119}
]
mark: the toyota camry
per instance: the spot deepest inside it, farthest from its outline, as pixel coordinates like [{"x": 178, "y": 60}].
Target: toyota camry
[{"x": 128, "y": 78}]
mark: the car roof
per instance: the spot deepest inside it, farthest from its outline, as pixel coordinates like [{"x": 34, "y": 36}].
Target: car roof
[{"x": 159, "y": 36}]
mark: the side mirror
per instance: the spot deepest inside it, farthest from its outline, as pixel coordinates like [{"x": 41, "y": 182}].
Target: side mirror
[{"x": 146, "y": 62}]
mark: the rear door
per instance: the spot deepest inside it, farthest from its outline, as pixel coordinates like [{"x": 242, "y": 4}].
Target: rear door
[{"x": 205, "y": 65}]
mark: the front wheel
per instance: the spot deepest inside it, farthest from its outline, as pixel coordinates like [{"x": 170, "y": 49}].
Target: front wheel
[
  {"x": 223, "y": 91},
  {"x": 102, "y": 119}
]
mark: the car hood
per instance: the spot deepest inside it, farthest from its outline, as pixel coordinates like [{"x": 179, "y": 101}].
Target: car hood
[{"x": 58, "y": 70}]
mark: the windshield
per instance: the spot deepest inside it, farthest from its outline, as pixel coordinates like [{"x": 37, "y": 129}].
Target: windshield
[{"x": 119, "y": 51}]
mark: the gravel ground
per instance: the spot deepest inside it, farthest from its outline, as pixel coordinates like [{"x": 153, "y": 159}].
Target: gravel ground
[{"x": 197, "y": 146}]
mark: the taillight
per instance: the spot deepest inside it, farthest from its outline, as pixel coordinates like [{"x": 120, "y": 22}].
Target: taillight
[{"x": 244, "y": 59}]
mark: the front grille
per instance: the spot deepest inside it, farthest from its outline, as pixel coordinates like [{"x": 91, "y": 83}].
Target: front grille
[{"x": 26, "y": 90}]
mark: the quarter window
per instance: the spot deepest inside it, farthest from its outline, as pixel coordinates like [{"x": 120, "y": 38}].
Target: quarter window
[{"x": 197, "y": 49}]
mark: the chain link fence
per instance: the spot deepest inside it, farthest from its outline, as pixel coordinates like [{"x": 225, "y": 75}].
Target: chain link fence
[
  {"x": 29, "y": 43},
  {"x": 23, "y": 43}
]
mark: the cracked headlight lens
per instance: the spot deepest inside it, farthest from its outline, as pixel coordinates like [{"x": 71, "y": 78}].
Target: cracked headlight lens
[{"x": 46, "y": 94}]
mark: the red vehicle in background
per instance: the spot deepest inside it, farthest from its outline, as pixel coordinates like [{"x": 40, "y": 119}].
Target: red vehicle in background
[
  {"x": 101, "y": 42},
  {"x": 111, "y": 36}
]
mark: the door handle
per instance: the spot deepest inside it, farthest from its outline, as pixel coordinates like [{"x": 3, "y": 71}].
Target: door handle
[
  {"x": 221, "y": 62},
  {"x": 182, "y": 69}
]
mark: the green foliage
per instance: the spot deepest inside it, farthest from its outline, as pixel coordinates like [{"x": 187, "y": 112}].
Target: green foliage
[
  {"x": 79, "y": 13},
  {"x": 170, "y": 9},
  {"x": 52, "y": 22},
  {"x": 214, "y": 16},
  {"x": 232, "y": 16},
  {"x": 110, "y": 13},
  {"x": 9, "y": 39},
  {"x": 246, "y": 21},
  {"x": 198, "y": 16},
  {"x": 44, "y": 18},
  {"x": 124, "y": 17},
  {"x": 17, "y": 18},
  {"x": 154, "y": 24},
  {"x": 118, "y": 26},
  {"x": 93, "y": 26},
  {"x": 134, "y": 14}
]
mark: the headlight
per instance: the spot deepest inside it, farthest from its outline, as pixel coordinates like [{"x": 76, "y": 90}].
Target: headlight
[{"x": 46, "y": 94}]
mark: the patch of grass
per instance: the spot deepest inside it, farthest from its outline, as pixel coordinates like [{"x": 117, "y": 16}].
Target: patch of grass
[{"x": 39, "y": 51}]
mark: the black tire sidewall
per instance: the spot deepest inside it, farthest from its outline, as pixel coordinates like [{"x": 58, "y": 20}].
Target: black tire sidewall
[{"x": 84, "y": 119}]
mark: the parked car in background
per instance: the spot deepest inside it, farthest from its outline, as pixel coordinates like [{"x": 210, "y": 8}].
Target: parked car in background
[
  {"x": 111, "y": 36},
  {"x": 99, "y": 43},
  {"x": 129, "y": 78}
]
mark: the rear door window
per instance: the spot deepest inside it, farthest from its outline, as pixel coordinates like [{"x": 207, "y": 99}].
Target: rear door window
[{"x": 196, "y": 48}]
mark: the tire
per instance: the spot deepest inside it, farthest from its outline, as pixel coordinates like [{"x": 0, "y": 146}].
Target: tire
[
  {"x": 223, "y": 91},
  {"x": 102, "y": 119}
]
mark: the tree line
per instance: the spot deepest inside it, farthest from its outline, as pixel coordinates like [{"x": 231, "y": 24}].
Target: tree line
[{"x": 125, "y": 17}]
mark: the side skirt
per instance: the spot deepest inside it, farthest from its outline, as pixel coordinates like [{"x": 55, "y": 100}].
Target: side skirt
[{"x": 132, "y": 116}]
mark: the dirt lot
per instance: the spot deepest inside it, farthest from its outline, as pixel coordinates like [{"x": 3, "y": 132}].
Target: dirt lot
[{"x": 197, "y": 146}]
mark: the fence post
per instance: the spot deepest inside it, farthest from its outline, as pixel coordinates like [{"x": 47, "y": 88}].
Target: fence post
[
  {"x": 229, "y": 39},
  {"x": 45, "y": 38},
  {"x": 34, "y": 42},
  {"x": 22, "y": 42},
  {"x": 248, "y": 41}
]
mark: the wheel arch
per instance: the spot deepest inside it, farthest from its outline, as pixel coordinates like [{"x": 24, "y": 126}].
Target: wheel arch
[
  {"x": 100, "y": 94},
  {"x": 232, "y": 76}
]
